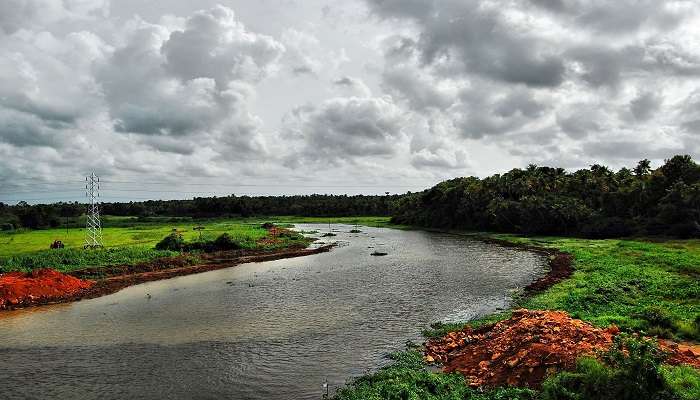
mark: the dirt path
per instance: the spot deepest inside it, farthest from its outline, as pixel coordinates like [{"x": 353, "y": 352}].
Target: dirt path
[{"x": 34, "y": 289}]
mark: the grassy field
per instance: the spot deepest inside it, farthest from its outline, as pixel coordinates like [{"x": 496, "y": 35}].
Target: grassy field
[
  {"x": 130, "y": 240},
  {"x": 639, "y": 285}
]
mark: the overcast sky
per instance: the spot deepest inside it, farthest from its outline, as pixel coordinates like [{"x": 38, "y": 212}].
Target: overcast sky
[{"x": 175, "y": 98}]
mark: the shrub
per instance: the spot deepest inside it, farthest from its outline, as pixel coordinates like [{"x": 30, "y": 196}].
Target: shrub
[
  {"x": 225, "y": 242},
  {"x": 631, "y": 370},
  {"x": 172, "y": 242},
  {"x": 7, "y": 227}
]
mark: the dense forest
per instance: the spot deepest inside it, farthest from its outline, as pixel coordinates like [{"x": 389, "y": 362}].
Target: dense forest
[
  {"x": 595, "y": 202},
  {"x": 40, "y": 216}
]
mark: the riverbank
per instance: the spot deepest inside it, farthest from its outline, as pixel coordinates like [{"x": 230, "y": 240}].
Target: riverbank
[
  {"x": 42, "y": 287},
  {"x": 638, "y": 287}
]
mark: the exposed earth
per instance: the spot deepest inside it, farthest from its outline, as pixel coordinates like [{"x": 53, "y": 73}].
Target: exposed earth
[{"x": 524, "y": 349}]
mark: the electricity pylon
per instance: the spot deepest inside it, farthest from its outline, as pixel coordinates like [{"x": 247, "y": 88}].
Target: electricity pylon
[{"x": 93, "y": 226}]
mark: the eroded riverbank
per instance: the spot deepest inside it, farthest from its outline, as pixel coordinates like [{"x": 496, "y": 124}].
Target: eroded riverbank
[{"x": 43, "y": 287}]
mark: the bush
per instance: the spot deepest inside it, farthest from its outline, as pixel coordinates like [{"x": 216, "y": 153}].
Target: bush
[
  {"x": 7, "y": 227},
  {"x": 225, "y": 242},
  {"x": 172, "y": 242},
  {"x": 631, "y": 370}
]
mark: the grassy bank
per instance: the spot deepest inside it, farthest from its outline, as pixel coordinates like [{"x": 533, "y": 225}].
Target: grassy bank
[
  {"x": 647, "y": 286},
  {"x": 132, "y": 240},
  {"x": 643, "y": 286}
]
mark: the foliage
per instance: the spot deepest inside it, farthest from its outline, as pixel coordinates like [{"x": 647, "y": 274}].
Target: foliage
[
  {"x": 645, "y": 286},
  {"x": 172, "y": 242},
  {"x": 132, "y": 242},
  {"x": 631, "y": 370},
  {"x": 43, "y": 216},
  {"x": 71, "y": 259},
  {"x": 407, "y": 378},
  {"x": 683, "y": 380},
  {"x": 595, "y": 202}
]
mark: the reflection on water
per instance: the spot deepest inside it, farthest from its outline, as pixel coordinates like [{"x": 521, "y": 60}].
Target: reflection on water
[{"x": 273, "y": 330}]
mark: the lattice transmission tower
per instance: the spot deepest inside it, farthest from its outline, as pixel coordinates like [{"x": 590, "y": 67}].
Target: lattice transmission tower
[{"x": 93, "y": 226}]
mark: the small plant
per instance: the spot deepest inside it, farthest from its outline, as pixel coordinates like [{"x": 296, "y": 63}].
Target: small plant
[{"x": 172, "y": 242}]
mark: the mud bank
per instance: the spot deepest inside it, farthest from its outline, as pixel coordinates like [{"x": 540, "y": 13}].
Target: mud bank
[
  {"x": 20, "y": 290},
  {"x": 526, "y": 348},
  {"x": 560, "y": 264}
]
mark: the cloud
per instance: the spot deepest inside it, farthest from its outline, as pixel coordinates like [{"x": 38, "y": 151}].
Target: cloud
[
  {"x": 476, "y": 39},
  {"x": 645, "y": 105},
  {"x": 345, "y": 128},
  {"x": 615, "y": 17},
  {"x": 215, "y": 45},
  {"x": 195, "y": 83},
  {"x": 349, "y": 87},
  {"x": 19, "y": 14}
]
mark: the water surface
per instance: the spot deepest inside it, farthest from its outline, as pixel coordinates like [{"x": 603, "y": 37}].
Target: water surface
[{"x": 272, "y": 330}]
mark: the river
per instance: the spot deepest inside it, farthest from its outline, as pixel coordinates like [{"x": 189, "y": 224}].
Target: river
[{"x": 272, "y": 330}]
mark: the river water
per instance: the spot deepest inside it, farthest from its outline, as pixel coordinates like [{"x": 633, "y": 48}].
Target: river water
[{"x": 272, "y": 330}]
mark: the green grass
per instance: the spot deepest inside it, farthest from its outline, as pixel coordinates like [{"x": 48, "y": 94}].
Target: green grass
[
  {"x": 71, "y": 259},
  {"x": 407, "y": 378},
  {"x": 129, "y": 240},
  {"x": 652, "y": 287}
]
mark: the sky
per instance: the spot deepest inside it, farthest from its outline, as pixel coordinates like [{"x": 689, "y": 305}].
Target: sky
[{"x": 177, "y": 99}]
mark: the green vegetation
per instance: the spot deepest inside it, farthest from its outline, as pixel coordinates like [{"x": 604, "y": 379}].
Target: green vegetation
[
  {"x": 71, "y": 259},
  {"x": 42, "y": 216},
  {"x": 129, "y": 241},
  {"x": 407, "y": 378},
  {"x": 652, "y": 287},
  {"x": 594, "y": 203},
  {"x": 631, "y": 370}
]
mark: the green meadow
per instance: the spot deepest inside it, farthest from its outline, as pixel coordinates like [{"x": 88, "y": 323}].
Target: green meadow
[
  {"x": 131, "y": 240},
  {"x": 640, "y": 285}
]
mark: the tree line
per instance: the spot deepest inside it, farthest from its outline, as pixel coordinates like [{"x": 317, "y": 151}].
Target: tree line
[
  {"x": 595, "y": 202},
  {"x": 42, "y": 216}
]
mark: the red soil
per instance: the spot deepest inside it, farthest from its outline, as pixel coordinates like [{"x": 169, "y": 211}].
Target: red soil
[
  {"x": 18, "y": 288},
  {"x": 525, "y": 349}
]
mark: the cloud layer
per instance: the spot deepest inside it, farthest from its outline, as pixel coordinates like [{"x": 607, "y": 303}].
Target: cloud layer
[{"x": 373, "y": 91}]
